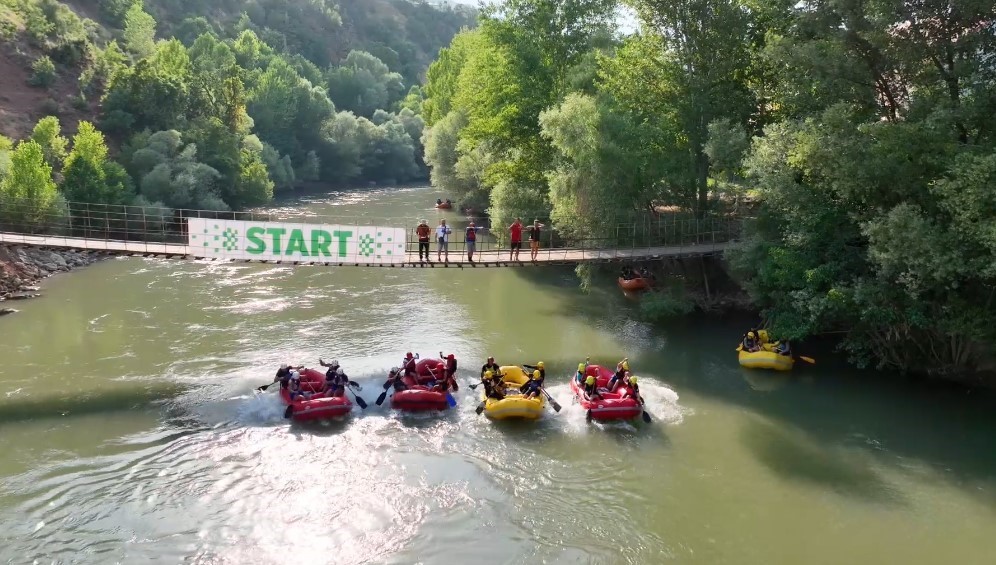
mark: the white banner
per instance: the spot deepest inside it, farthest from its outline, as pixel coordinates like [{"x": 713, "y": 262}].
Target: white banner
[{"x": 280, "y": 241}]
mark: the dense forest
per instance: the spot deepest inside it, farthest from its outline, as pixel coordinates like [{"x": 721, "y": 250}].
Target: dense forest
[
  {"x": 214, "y": 104},
  {"x": 862, "y": 131}
]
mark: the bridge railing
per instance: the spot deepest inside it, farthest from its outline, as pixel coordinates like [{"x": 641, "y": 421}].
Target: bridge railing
[{"x": 108, "y": 222}]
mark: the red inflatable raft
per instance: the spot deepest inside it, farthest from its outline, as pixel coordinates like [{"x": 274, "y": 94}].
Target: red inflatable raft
[
  {"x": 418, "y": 398},
  {"x": 319, "y": 406},
  {"x": 610, "y": 406},
  {"x": 444, "y": 205}
]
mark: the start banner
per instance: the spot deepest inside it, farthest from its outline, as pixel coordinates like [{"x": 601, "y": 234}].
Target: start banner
[{"x": 280, "y": 241}]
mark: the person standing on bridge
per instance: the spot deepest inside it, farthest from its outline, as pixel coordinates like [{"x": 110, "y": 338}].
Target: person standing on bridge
[
  {"x": 423, "y": 230},
  {"x": 471, "y": 240},
  {"x": 535, "y": 231},
  {"x": 442, "y": 240},
  {"x": 516, "y": 230}
]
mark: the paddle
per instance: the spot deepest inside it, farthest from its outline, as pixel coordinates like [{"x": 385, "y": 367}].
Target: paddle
[
  {"x": 359, "y": 399},
  {"x": 449, "y": 397},
  {"x": 264, "y": 387},
  {"x": 383, "y": 395},
  {"x": 646, "y": 415},
  {"x": 289, "y": 411},
  {"x": 480, "y": 407},
  {"x": 553, "y": 402},
  {"x": 809, "y": 360}
]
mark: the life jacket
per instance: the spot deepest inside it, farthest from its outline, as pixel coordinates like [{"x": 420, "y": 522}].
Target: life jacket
[
  {"x": 619, "y": 375},
  {"x": 591, "y": 389},
  {"x": 471, "y": 234},
  {"x": 494, "y": 368},
  {"x": 451, "y": 364}
]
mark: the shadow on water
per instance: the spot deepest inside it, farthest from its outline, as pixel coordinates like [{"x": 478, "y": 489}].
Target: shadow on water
[
  {"x": 894, "y": 419},
  {"x": 792, "y": 456},
  {"x": 139, "y": 399}
]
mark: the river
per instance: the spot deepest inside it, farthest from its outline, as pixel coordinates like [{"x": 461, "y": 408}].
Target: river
[{"x": 130, "y": 431}]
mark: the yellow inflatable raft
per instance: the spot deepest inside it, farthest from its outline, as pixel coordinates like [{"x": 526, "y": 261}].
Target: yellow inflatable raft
[
  {"x": 764, "y": 359},
  {"x": 767, "y": 358},
  {"x": 514, "y": 406}
]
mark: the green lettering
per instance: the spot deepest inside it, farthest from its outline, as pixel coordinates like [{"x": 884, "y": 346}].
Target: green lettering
[
  {"x": 343, "y": 237},
  {"x": 296, "y": 244},
  {"x": 277, "y": 233},
  {"x": 257, "y": 245},
  {"x": 320, "y": 241}
]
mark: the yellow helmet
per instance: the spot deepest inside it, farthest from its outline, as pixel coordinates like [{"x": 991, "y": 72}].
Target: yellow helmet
[
  {"x": 590, "y": 380},
  {"x": 540, "y": 365},
  {"x": 488, "y": 375},
  {"x": 580, "y": 367},
  {"x": 536, "y": 375},
  {"x": 632, "y": 380},
  {"x": 625, "y": 365}
]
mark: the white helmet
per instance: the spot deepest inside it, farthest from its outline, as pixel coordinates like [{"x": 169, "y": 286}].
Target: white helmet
[
  {"x": 340, "y": 372},
  {"x": 284, "y": 366},
  {"x": 334, "y": 362},
  {"x": 295, "y": 375},
  {"x": 395, "y": 369}
]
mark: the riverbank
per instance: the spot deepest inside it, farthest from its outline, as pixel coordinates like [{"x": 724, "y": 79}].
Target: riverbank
[{"x": 21, "y": 268}]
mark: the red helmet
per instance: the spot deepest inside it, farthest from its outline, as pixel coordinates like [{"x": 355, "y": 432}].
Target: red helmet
[
  {"x": 409, "y": 355},
  {"x": 450, "y": 356}
]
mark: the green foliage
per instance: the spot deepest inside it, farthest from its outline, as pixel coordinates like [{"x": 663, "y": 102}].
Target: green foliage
[
  {"x": 31, "y": 201},
  {"x": 47, "y": 135},
  {"x": 139, "y": 31},
  {"x": 658, "y": 306},
  {"x": 363, "y": 84},
  {"x": 115, "y": 11},
  {"x": 83, "y": 175},
  {"x": 42, "y": 72}
]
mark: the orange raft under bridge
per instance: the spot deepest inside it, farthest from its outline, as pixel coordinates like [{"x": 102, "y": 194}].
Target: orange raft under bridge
[
  {"x": 611, "y": 405},
  {"x": 638, "y": 283},
  {"x": 319, "y": 406},
  {"x": 444, "y": 205},
  {"x": 419, "y": 397}
]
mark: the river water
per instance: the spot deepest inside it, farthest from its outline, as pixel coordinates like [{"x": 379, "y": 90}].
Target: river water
[{"x": 129, "y": 430}]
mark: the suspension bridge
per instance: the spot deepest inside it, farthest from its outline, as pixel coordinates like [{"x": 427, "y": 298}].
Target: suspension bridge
[{"x": 315, "y": 240}]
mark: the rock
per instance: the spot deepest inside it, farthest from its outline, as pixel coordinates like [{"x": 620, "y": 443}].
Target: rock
[
  {"x": 23, "y": 296},
  {"x": 5, "y": 311},
  {"x": 30, "y": 289}
]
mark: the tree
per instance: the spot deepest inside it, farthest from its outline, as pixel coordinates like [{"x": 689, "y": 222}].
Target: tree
[
  {"x": 139, "y": 31},
  {"x": 42, "y": 72},
  {"x": 84, "y": 178},
  {"x": 688, "y": 70},
  {"x": 31, "y": 201},
  {"x": 46, "y": 134}
]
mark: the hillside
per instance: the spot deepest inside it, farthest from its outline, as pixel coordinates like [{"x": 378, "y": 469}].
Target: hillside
[
  {"x": 211, "y": 105},
  {"x": 405, "y": 35}
]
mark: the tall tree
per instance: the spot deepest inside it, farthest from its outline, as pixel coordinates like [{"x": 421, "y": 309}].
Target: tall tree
[
  {"x": 139, "y": 31},
  {"x": 31, "y": 200}
]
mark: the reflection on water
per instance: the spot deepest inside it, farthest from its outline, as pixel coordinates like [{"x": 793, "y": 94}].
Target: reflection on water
[{"x": 130, "y": 429}]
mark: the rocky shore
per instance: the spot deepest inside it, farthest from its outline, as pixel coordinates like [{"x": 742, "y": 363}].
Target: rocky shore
[{"x": 21, "y": 268}]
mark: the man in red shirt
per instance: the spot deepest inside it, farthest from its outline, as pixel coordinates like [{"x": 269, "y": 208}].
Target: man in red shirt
[
  {"x": 423, "y": 230},
  {"x": 516, "y": 230}
]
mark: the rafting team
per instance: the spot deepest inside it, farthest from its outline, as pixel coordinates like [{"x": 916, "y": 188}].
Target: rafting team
[
  {"x": 336, "y": 379},
  {"x": 442, "y": 234},
  {"x": 753, "y": 341},
  {"x": 495, "y": 387}
]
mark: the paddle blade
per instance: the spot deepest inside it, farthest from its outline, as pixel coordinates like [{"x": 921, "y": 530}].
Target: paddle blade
[
  {"x": 263, "y": 388},
  {"x": 355, "y": 385},
  {"x": 450, "y": 400},
  {"x": 809, "y": 360},
  {"x": 555, "y": 404},
  {"x": 361, "y": 402},
  {"x": 289, "y": 411},
  {"x": 480, "y": 407},
  {"x": 472, "y": 386},
  {"x": 646, "y": 417},
  {"x": 587, "y": 416},
  {"x": 381, "y": 398}
]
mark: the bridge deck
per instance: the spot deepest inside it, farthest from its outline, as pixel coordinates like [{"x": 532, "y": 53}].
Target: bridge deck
[{"x": 456, "y": 258}]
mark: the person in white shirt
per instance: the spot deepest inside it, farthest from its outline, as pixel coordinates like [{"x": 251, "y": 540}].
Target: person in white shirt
[{"x": 443, "y": 239}]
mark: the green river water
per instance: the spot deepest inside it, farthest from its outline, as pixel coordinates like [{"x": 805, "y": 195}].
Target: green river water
[{"x": 129, "y": 430}]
